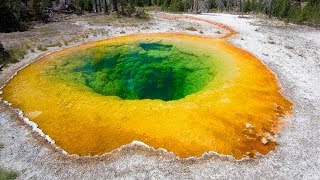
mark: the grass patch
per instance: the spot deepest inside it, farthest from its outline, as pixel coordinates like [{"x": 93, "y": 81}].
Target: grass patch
[
  {"x": 142, "y": 15},
  {"x": 191, "y": 28},
  {"x": 65, "y": 42},
  {"x": 7, "y": 174},
  {"x": 151, "y": 8},
  {"x": 58, "y": 43},
  {"x": 42, "y": 48},
  {"x": 16, "y": 54}
]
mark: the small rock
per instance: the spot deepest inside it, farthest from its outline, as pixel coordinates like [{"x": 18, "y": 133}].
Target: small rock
[
  {"x": 249, "y": 126},
  {"x": 270, "y": 137},
  {"x": 264, "y": 140},
  {"x": 288, "y": 47}
]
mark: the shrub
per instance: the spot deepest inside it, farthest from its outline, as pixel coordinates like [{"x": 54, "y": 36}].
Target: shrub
[
  {"x": 191, "y": 28},
  {"x": 16, "y": 54},
  {"x": 7, "y": 174},
  {"x": 311, "y": 13},
  {"x": 42, "y": 48},
  {"x": 247, "y": 7},
  {"x": 141, "y": 14},
  {"x": 12, "y": 55}
]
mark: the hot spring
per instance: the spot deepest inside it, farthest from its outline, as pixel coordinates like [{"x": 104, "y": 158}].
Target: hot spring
[
  {"x": 145, "y": 71},
  {"x": 184, "y": 93}
]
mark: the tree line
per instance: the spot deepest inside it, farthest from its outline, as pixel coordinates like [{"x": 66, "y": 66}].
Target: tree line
[
  {"x": 296, "y": 11},
  {"x": 15, "y": 14}
]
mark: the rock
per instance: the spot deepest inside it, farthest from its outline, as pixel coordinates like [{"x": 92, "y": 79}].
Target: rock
[
  {"x": 264, "y": 140},
  {"x": 249, "y": 126}
]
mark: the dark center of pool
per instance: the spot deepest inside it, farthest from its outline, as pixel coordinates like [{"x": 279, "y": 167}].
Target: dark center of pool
[{"x": 147, "y": 71}]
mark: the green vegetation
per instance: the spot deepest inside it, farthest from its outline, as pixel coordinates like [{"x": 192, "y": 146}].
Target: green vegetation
[
  {"x": 7, "y": 174},
  {"x": 191, "y": 28},
  {"x": 12, "y": 16},
  {"x": 85, "y": 5},
  {"x": 57, "y": 43},
  {"x": 65, "y": 42},
  {"x": 123, "y": 7},
  {"x": 15, "y": 15},
  {"x": 306, "y": 12},
  {"x": 12, "y": 55},
  {"x": 42, "y": 48},
  {"x": 16, "y": 54}
]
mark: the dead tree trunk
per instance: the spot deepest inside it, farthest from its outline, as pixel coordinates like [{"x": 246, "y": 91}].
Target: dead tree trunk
[
  {"x": 115, "y": 4},
  {"x": 195, "y": 6},
  {"x": 106, "y": 6},
  {"x": 240, "y": 8},
  {"x": 270, "y": 9},
  {"x": 95, "y": 6},
  {"x": 100, "y": 6}
]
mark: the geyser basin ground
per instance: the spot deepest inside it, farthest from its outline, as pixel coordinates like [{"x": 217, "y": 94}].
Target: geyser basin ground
[{"x": 187, "y": 94}]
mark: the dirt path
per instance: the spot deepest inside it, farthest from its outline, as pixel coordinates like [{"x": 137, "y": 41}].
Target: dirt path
[{"x": 290, "y": 51}]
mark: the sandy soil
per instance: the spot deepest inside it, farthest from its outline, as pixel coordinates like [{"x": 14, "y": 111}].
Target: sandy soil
[{"x": 290, "y": 51}]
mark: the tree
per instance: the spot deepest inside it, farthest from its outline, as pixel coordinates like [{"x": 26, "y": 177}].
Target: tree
[
  {"x": 35, "y": 9},
  {"x": 95, "y": 6},
  {"x": 247, "y": 7},
  {"x": 47, "y": 3},
  {"x": 12, "y": 15},
  {"x": 115, "y": 5},
  {"x": 106, "y": 10}
]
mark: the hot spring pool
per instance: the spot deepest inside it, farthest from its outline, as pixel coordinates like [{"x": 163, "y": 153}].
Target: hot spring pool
[
  {"x": 142, "y": 70},
  {"x": 184, "y": 93}
]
